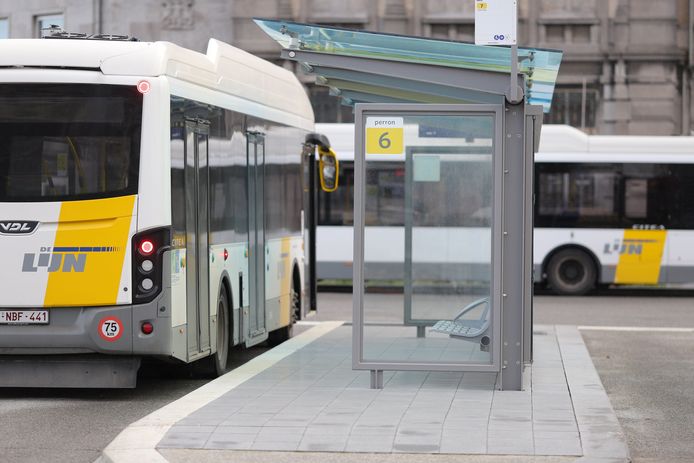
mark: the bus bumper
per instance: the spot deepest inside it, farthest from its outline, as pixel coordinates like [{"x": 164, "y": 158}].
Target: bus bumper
[
  {"x": 103, "y": 330},
  {"x": 73, "y": 371}
]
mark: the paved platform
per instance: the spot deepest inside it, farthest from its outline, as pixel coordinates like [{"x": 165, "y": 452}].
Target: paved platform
[{"x": 304, "y": 400}]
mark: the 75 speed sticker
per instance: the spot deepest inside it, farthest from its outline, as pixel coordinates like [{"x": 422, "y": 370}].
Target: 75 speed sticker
[{"x": 110, "y": 329}]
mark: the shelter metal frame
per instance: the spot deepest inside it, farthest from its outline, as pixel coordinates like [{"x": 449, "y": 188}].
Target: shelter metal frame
[{"x": 375, "y": 79}]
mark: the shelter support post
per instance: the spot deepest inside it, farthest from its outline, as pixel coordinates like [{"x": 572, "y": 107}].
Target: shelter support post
[
  {"x": 376, "y": 379},
  {"x": 513, "y": 281}
]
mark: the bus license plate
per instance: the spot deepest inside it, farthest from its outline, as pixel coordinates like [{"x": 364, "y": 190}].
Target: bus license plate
[{"x": 23, "y": 317}]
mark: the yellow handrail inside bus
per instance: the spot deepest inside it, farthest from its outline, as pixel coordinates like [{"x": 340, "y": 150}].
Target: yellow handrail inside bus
[{"x": 76, "y": 156}]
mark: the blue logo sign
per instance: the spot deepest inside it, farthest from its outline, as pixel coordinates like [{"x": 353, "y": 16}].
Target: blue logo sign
[{"x": 499, "y": 37}]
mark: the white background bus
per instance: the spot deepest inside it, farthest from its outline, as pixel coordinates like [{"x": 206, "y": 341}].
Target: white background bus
[
  {"x": 151, "y": 204},
  {"x": 608, "y": 210}
]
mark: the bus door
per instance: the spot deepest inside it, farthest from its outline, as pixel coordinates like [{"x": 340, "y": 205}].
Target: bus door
[
  {"x": 197, "y": 233},
  {"x": 257, "y": 250}
]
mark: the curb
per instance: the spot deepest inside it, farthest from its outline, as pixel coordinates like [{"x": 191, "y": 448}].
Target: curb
[
  {"x": 138, "y": 441},
  {"x": 601, "y": 435}
]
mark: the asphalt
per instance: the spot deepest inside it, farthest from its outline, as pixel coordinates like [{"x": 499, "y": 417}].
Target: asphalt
[{"x": 649, "y": 379}]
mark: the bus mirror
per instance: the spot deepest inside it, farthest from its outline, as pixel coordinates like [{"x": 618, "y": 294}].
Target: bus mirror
[{"x": 328, "y": 167}]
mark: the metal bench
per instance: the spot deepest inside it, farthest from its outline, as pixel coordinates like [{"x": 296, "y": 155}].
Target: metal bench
[{"x": 468, "y": 329}]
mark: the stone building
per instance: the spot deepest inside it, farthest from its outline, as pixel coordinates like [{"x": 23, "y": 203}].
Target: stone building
[{"x": 626, "y": 69}]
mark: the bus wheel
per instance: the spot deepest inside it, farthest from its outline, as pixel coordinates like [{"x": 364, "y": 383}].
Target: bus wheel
[
  {"x": 217, "y": 364},
  {"x": 571, "y": 272},
  {"x": 279, "y": 336}
]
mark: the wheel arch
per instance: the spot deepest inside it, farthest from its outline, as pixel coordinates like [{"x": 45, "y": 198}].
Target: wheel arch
[
  {"x": 576, "y": 247},
  {"x": 225, "y": 283}
]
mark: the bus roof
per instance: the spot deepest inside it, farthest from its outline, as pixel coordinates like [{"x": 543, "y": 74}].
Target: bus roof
[
  {"x": 562, "y": 143},
  {"x": 223, "y": 68},
  {"x": 567, "y": 139}
]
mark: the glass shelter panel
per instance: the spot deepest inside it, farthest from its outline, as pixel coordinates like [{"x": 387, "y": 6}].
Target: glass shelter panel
[
  {"x": 540, "y": 66},
  {"x": 429, "y": 199}
]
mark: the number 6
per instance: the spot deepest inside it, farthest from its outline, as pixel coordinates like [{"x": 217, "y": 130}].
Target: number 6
[{"x": 383, "y": 141}]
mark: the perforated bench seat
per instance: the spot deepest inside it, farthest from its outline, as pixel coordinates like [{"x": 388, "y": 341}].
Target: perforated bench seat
[
  {"x": 458, "y": 328},
  {"x": 467, "y": 328}
]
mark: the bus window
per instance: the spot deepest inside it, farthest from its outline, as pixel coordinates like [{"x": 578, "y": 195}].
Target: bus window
[
  {"x": 647, "y": 194},
  {"x": 681, "y": 186},
  {"x": 68, "y": 141},
  {"x": 385, "y": 194},
  {"x": 336, "y": 208},
  {"x": 573, "y": 195}
]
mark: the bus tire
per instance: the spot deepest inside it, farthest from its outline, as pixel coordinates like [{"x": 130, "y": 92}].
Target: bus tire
[
  {"x": 277, "y": 337},
  {"x": 571, "y": 272},
  {"x": 218, "y": 363}
]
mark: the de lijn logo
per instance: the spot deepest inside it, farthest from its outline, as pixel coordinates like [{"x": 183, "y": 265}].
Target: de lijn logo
[
  {"x": 17, "y": 227},
  {"x": 62, "y": 259},
  {"x": 499, "y": 37}
]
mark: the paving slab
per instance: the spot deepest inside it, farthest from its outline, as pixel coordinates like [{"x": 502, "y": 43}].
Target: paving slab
[{"x": 310, "y": 401}]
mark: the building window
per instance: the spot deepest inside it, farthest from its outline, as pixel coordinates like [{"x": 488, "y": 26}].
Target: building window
[
  {"x": 328, "y": 108},
  {"x": 4, "y": 28},
  {"x": 47, "y": 21},
  {"x": 554, "y": 33},
  {"x": 439, "y": 31},
  {"x": 581, "y": 33},
  {"x": 574, "y": 106},
  {"x": 569, "y": 33},
  {"x": 463, "y": 32}
]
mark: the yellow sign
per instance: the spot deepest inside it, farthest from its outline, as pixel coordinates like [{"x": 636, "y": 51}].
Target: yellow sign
[
  {"x": 384, "y": 135},
  {"x": 483, "y": 6}
]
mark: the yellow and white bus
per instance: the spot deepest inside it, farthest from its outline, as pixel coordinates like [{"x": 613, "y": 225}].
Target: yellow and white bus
[
  {"x": 151, "y": 204},
  {"x": 609, "y": 210}
]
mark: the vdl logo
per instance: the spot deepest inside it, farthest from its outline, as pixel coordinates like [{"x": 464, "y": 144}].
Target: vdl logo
[
  {"x": 18, "y": 227},
  {"x": 499, "y": 37},
  {"x": 61, "y": 259}
]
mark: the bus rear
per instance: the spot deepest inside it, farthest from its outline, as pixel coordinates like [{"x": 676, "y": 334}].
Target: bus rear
[{"x": 69, "y": 178}]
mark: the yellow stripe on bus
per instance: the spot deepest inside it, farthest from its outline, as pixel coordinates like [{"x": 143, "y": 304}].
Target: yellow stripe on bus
[
  {"x": 285, "y": 282},
  {"x": 640, "y": 256},
  {"x": 89, "y": 251}
]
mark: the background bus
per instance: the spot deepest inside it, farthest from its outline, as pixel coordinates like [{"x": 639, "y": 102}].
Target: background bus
[
  {"x": 608, "y": 210},
  {"x": 151, "y": 200}
]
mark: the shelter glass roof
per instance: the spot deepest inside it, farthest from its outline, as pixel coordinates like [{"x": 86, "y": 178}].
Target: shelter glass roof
[{"x": 540, "y": 66}]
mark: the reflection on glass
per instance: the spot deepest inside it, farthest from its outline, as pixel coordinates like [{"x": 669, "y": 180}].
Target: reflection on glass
[
  {"x": 4, "y": 28},
  {"x": 48, "y": 21},
  {"x": 428, "y": 244}
]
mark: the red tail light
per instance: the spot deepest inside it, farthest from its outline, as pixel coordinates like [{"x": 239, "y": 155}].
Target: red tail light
[
  {"x": 146, "y": 247},
  {"x": 148, "y": 263}
]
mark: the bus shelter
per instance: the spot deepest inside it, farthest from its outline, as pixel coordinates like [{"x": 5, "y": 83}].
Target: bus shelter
[{"x": 457, "y": 140}]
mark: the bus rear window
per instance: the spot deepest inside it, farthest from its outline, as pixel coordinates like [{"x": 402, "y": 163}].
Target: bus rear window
[{"x": 63, "y": 142}]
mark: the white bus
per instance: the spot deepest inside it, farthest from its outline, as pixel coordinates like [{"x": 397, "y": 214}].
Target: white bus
[
  {"x": 151, "y": 204},
  {"x": 608, "y": 210}
]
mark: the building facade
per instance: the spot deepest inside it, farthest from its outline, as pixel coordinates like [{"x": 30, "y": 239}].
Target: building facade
[{"x": 627, "y": 65}]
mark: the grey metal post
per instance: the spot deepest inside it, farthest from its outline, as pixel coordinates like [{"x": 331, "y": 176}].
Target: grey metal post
[
  {"x": 358, "y": 251},
  {"x": 513, "y": 249},
  {"x": 533, "y": 123},
  {"x": 376, "y": 379},
  {"x": 409, "y": 224},
  {"x": 514, "y": 73}
]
